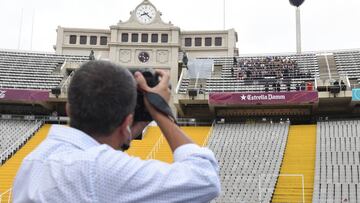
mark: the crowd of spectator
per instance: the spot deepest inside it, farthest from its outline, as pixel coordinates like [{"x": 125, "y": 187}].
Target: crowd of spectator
[{"x": 277, "y": 67}]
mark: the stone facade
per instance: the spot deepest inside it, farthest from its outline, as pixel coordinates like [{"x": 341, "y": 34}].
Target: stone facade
[{"x": 145, "y": 40}]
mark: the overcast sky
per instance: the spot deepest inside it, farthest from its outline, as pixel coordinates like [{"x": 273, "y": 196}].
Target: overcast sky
[{"x": 263, "y": 26}]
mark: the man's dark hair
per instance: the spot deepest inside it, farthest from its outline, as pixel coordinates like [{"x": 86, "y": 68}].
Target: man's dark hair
[{"x": 100, "y": 96}]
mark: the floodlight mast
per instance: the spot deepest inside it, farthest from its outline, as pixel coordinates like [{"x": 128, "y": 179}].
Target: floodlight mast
[
  {"x": 298, "y": 31},
  {"x": 297, "y": 4}
]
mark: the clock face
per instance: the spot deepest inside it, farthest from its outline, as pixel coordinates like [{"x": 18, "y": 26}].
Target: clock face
[
  {"x": 143, "y": 57},
  {"x": 145, "y": 14}
]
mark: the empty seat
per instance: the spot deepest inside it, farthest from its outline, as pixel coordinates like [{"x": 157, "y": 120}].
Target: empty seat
[
  {"x": 249, "y": 156},
  {"x": 30, "y": 70},
  {"x": 13, "y": 134},
  {"x": 337, "y": 163}
]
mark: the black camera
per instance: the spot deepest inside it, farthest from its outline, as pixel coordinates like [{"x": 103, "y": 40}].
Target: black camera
[{"x": 152, "y": 79}]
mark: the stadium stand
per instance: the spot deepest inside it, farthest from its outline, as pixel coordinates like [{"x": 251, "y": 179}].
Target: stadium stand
[
  {"x": 256, "y": 73},
  {"x": 29, "y": 70},
  {"x": 337, "y": 162},
  {"x": 298, "y": 166},
  {"x": 248, "y": 154},
  {"x": 277, "y": 67},
  {"x": 249, "y": 157},
  {"x": 14, "y": 134},
  {"x": 348, "y": 64},
  {"x": 9, "y": 169}
]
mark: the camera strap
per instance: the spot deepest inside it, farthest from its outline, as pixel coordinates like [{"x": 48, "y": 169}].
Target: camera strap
[{"x": 160, "y": 104}]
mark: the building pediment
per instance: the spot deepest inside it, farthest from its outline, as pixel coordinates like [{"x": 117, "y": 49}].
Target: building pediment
[{"x": 145, "y": 17}]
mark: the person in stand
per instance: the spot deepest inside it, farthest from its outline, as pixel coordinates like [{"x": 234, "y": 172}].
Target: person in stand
[
  {"x": 274, "y": 86},
  {"x": 343, "y": 86},
  {"x": 92, "y": 55},
  {"x": 303, "y": 86},
  {"x": 235, "y": 62},
  {"x": 288, "y": 86},
  {"x": 185, "y": 60},
  {"x": 267, "y": 87},
  {"x": 278, "y": 86},
  {"x": 201, "y": 89}
]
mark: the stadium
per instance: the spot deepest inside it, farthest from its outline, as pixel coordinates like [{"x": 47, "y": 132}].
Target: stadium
[{"x": 284, "y": 127}]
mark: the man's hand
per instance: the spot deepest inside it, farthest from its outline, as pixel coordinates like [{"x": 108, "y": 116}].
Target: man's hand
[
  {"x": 161, "y": 89},
  {"x": 173, "y": 134}
]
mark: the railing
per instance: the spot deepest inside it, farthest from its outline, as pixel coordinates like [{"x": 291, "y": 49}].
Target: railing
[
  {"x": 17, "y": 143},
  {"x": 62, "y": 119},
  {"x": 156, "y": 147},
  {"x": 7, "y": 192},
  {"x": 209, "y": 134},
  {"x": 347, "y": 81},
  {"x": 180, "y": 80},
  {"x": 355, "y": 86},
  {"x": 328, "y": 66},
  {"x": 64, "y": 87},
  {"x": 73, "y": 64},
  {"x": 243, "y": 85},
  {"x": 257, "y": 89},
  {"x": 62, "y": 70}
]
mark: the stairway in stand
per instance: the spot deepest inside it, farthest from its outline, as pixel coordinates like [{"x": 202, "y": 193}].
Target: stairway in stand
[
  {"x": 142, "y": 148},
  {"x": 298, "y": 162}
]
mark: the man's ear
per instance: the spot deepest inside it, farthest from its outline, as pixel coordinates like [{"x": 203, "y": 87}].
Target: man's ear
[
  {"x": 126, "y": 124},
  {"x": 67, "y": 109}
]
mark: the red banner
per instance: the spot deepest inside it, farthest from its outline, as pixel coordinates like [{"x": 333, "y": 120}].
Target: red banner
[
  {"x": 239, "y": 98},
  {"x": 23, "y": 95}
]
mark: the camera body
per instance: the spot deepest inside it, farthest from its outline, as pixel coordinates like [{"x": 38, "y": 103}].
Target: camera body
[{"x": 152, "y": 79}]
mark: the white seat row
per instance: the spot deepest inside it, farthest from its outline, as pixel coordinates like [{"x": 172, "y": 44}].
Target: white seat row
[
  {"x": 249, "y": 156},
  {"x": 348, "y": 63},
  {"x": 337, "y": 172},
  {"x": 13, "y": 134},
  {"x": 32, "y": 70}
]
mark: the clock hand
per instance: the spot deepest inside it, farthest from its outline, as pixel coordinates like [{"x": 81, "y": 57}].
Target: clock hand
[{"x": 148, "y": 15}]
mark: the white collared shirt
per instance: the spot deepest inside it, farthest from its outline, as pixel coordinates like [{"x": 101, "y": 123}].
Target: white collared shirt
[{"x": 70, "y": 166}]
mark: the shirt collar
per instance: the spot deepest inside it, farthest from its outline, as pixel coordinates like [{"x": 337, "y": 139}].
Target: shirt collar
[{"x": 73, "y": 136}]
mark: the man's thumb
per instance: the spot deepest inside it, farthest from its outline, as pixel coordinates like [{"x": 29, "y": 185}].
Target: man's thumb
[{"x": 141, "y": 82}]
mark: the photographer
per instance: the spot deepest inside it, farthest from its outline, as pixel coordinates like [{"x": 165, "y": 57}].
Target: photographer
[{"x": 83, "y": 163}]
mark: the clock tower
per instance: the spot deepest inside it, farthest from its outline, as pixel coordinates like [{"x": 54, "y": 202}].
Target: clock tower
[{"x": 145, "y": 41}]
